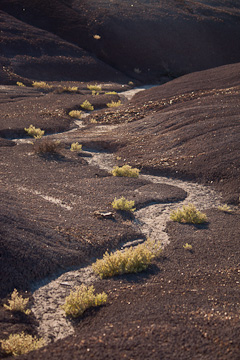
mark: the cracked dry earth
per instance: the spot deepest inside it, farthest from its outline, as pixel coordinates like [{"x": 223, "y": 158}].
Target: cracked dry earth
[{"x": 151, "y": 221}]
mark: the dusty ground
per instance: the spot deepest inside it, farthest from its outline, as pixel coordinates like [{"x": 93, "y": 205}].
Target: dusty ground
[{"x": 186, "y": 305}]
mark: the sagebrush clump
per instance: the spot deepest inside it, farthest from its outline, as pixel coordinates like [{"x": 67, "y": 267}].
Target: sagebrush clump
[
  {"x": 18, "y": 303},
  {"x": 18, "y": 344},
  {"x": 125, "y": 170},
  {"x": 76, "y": 147},
  {"x": 41, "y": 85},
  {"x": 19, "y": 83},
  {"x": 123, "y": 204},
  {"x": 81, "y": 299},
  {"x": 77, "y": 114},
  {"x": 86, "y": 105},
  {"x": 95, "y": 88},
  {"x": 47, "y": 147},
  {"x": 187, "y": 246},
  {"x": 188, "y": 214},
  {"x": 114, "y": 103},
  {"x": 131, "y": 260},
  {"x": 225, "y": 208},
  {"x": 37, "y": 133}
]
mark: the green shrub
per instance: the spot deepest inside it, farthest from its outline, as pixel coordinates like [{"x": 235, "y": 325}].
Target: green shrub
[
  {"x": 76, "y": 147},
  {"x": 67, "y": 89},
  {"x": 95, "y": 87},
  {"x": 37, "y": 133},
  {"x": 19, "y": 83},
  {"x": 47, "y": 147},
  {"x": 125, "y": 170},
  {"x": 18, "y": 303},
  {"x": 187, "y": 246},
  {"x": 188, "y": 214},
  {"x": 114, "y": 103},
  {"x": 131, "y": 260},
  {"x": 225, "y": 208},
  {"x": 86, "y": 105},
  {"x": 41, "y": 85},
  {"x": 18, "y": 344},
  {"x": 82, "y": 299},
  {"x": 123, "y": 204},
  {"x": 111, "y": 93},
  {"x": 77, "y": 114}
]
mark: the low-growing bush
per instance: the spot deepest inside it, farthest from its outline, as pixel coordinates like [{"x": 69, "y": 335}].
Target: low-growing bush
[
  {"x": 18, "y": 303},
  {"x": 111, "y": 93},
  {"x": 131, "y": 260},
  {"x": 188, "y": 214},
  {"x": 37, "y": 133},
  {"x": 47, "y": 147},
  {"x": 225, "y": 208},
  {"x": 81, "y": 299},
  {"x": 19, "y": 83},
  {"x": 187, "y": 246},
  {"x": 69, "y": 89},
  {"x": 18, "y": 344},
  {"x": 77, "y": 114},
  {"x": 123, "y": 204},
  {"x": 95, "y": 87},
  {"x": 86, "y": 105},
  {"x": 41, "y": 85},
  {"x": 125, "y": 170},
  {"x": 114, "y": 104},
  {"x": 76, "y": 147}
]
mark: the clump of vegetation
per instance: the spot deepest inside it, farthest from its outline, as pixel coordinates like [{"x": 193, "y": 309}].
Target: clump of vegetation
[
  {"x": 97, "y": 37},
  {"x": 130, "y": 83},
  {"x": 86, "y": 105},
  {"x": 41, "y": 85},
  {"x": 37, "y": 133},
  {"x": 125, "y": 170},
  {"x": 81, "y": 299},
  {"x": 95, "y": 87},
  {"x": 123, "y": 204},
  {"x": 114, "y": 104},
  {"x": 77, "y": 114},
  {"x": 18, "y": 344},
  {"x": 225, "y": 208},
  {"x": 76, "y": 147},
  {"x": 188, "y": 214},
  {"x": 47, "y": 147},
  {"x": 131, "y": 260},
  {"x": 18, "y": 303},
  {"x": 19, "y": 83},
  {"x": 187, "y": 246},
  {"x": 93, "y": 121},
  {"x": 111, "y": 93},
  {"x": 70, "y": 89}
]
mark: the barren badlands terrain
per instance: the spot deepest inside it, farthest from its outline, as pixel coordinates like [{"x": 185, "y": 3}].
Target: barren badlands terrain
[{"x": 182, "y": 133}]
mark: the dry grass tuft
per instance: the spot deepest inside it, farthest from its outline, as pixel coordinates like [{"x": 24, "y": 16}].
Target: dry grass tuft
[
  {"x": 188, "y": 214},
  {"x": 76, "y": 147},
  {"x": 86, "y": 105},
  {"x": 81, "y": 299},
  {"x": 132, "y": 260},
  {"x": 225, "y": 208},
  {"x": 41, "y": 85},
  {"x": 37, "y": 133},
  {"x": 47, "y": 147},
  {"x": 125, "y": 170},
  {"x": 77, "y": 114},
  {"x": 114, "y": 104},
  {"x": 123, "y": 204},
  {"x": 18, "y": 303},
  {"x": 18, "y": 344},
  {"x": 19, "y": 83}
]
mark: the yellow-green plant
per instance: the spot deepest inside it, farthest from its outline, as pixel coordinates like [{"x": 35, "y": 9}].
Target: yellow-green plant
[
  {"x": 76, "y": 147},
  {"x": 130, "y": 83},
  {"x": 111, "y": 93},
  {"x": 77, "y": 114},
  {"x": 225, "y": 208},
  {"x": 18, "y": 344},
  {"x": 81, "y": 299},
  {"x": 37, "y": 133},
  {"x": 188, "y": 214},
  {"x": 125, "y": 170},
  {"x": 68, "y": 89},
  {"x": 123, "y": 204},
  {"x": 86, "y": 105},
  {"x": 18, "y": 303},
  {"x": 187, "y": 246},
  {"x": 41, "y": 85},
  {"x": 19, "y": 83},
  {"x": 131, "y": 260},
  {"x": 114, "y": 103},
  {"x": 95, "y": 87}
]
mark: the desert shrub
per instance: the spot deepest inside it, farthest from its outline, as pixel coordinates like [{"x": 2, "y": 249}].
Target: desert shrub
[
  {"x": 86, "y": 105},
  {"x": 18, "y": 303},
  {"x": 123, "y": 204},
  {"x": 47, "y": 147},
  {"x": 110, "y": 93},
  {"x": 37, "y": 133},
  {"x": 125, "y": 170},
  {"x": 41, "y": 85},
  {"x": 95, "y": 87},
  {"x": 114, "y": 103},
  {"x": 18, "y": 344},
  {"x": 131, "y": 260},
  {"x": 225, "y": 208},
  {"x": 81, "y": 299},
  {"x": 187, "y": 246},
  {"x": 188, "y": 214},
  {"x": 97, "y": 37},
  {"x": 130, "y": 83},
  {"x": 70, "y": 89},
  {"x": 76, "y": 147},
  {"x": 77, "y": 114},
  {"x": 19, "y": 83}
]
